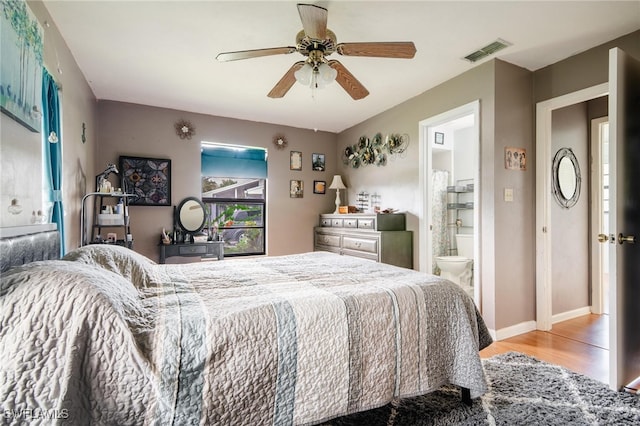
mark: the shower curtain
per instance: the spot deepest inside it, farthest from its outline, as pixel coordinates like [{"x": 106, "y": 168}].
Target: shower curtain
[{"x": 439, "y": 236}]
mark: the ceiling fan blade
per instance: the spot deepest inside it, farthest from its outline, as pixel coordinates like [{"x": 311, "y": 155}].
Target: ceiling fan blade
[
  {"x": 248, "y": 54},
  {"x": 314, "y": 20},
  {"x": 392, "y": 49},
  {"x": 286, "y": 82},
  {"x": 348, "y": 82}
]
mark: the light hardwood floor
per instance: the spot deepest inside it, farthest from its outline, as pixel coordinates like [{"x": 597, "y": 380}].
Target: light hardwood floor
[{"x": 579, "y": 344}]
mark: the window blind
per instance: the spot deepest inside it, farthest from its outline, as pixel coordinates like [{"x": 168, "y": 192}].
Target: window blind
[{"x": 237, "y": 162}]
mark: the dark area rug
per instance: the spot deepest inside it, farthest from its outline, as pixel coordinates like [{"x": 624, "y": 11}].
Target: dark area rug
[{"x": 522, "y": 391}]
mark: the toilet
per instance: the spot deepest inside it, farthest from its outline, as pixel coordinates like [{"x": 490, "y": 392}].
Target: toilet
[{"x": 459, "y": 269}]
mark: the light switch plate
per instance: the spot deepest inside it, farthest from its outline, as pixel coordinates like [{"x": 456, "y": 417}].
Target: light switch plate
[{"x": 508, "y": 195}]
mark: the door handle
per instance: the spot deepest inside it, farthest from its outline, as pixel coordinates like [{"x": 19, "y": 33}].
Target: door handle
[
  {"x": 603, "y": 238},
  {"x": 631, "y": 239}
]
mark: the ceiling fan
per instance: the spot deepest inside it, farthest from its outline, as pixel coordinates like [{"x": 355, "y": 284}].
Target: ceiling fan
[{"x": 316, "y": 42}]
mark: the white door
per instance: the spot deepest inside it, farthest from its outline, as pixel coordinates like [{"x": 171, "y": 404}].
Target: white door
[{"x": 624, "y": 219}]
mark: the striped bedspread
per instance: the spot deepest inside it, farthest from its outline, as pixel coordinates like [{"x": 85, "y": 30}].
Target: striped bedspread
[{"x": 290, "y": 340}]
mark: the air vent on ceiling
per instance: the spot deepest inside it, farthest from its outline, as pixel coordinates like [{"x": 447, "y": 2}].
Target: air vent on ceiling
[{"x": 489, "y": 49}]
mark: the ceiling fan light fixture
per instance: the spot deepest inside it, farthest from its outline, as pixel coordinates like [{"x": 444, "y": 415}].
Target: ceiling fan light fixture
[
  {"x": 317, "y": 77},
  {"x": 315, "y": 41},
  {"x": 326, "y": 74},
  {"x": 304, "y": 75}
]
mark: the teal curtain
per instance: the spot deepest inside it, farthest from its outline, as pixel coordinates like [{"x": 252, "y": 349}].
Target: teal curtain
[{"x": 52, "y": 152}]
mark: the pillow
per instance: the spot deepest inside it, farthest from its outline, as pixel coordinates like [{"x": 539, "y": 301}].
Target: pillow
[{"x": 135, "y": 267}]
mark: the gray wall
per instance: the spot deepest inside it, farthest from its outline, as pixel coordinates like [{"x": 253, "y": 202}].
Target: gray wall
[
  {"x": 144, "y": 131},
  {"x": 583, "y": 70},
  {"x": 514, "y": 252}
]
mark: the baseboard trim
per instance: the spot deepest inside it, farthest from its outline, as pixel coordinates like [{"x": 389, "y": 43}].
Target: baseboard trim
[
  {"x": 514, "y": 330},
  {"x": 527, "y": 326},
  {"x": 564, "y": 316}
]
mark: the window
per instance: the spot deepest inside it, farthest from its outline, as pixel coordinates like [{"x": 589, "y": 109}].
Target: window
[{"x": 233, "y": 190}]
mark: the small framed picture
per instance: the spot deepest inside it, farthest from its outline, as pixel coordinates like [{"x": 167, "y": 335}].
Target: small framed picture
[
  {"x": 439, "y": 138},
  {"x": 296, "y": 188},
  {"x": 515, "y": 158},
  {"x": 317, "y": 162},
  {"x": 319, "y": 186},
  {"x": 295, "y": 160}
]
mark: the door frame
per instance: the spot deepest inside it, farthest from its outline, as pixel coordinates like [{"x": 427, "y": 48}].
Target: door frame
[
  {"x": 544, "y": 159},
  {"x": 597, "y": 225},
  {"x": 425, "y": 166}
]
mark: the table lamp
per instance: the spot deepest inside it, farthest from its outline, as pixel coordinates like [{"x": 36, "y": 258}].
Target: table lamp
[{"x": 337, "y": 184}]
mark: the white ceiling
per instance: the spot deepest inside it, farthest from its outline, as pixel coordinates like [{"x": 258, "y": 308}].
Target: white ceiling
[{"x": 162, "y": 53}]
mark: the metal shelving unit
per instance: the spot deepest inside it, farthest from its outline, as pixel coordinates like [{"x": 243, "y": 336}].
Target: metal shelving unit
[{"x": 101, "y": 221}]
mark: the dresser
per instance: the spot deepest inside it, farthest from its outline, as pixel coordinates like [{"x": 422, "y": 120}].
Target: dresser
[{"x": 379, "y": 237}]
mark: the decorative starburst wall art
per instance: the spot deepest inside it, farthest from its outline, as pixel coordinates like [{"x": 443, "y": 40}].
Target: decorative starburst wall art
[{"x": 185, "y": 129}]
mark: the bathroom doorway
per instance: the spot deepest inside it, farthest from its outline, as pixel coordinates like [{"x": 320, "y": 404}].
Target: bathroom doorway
[{"x": 449, "y": 178}]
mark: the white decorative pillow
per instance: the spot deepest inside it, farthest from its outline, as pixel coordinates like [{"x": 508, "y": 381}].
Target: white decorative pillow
[{"x": 135, "y": 267}]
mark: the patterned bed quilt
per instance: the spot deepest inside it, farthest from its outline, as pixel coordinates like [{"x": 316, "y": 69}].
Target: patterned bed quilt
[{"x": 106, "y": 336}]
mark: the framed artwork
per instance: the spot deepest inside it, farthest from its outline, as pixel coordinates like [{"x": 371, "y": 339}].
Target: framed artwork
[
  {"x": 319, "y": 187},
  {"x": 296, "y": 189},
  {"x": 295, "y": 160},
  {"x": 147, "y": 178},
  {"x": 515, "y": 158},
  {"x": 317, "y": 162},
  {"x": 439, "y": 138},
  {"x": 21, "y": 67}
]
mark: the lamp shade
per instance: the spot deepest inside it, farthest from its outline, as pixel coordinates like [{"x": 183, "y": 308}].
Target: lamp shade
[
  {"x": 325, "y": 75},
  {"x": 304, "y": 74},
  {"x": 337, "y": 183}
]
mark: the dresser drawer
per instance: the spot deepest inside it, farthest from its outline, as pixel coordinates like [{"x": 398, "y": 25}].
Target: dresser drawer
[
  {"x": 336, "y": 223},
  {"x": 350, "y": 223},
  {"x": 325, "y": 222},
  {"x": 196, "y": 249},
  {"x": 361, "y": 254},
  {"x": 369, "y": 245},
  {"x": 366, "y": 223},
  {"x": 327, "y": 240}
]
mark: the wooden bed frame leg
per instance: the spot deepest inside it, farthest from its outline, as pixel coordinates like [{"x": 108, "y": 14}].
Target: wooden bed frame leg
[{"x": 466, "y": 395}]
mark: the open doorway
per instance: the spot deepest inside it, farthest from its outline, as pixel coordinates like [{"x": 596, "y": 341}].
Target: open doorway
[
  {"x": 544, "y": 225},
  {"x": 449, "y": 179},
  {"x": 600, "y": 215}
]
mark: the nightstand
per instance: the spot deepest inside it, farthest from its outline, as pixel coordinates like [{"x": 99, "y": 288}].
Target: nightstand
[{"x": 209, "y": 249}]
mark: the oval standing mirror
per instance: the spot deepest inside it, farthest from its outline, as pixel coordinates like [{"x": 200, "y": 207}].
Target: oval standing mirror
[
  {"x": 191, "y": 215},
  {"x": 566, "y": 178}
]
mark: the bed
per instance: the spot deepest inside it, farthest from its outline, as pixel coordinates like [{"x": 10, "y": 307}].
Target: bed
[{"x": 107, "y": 336}]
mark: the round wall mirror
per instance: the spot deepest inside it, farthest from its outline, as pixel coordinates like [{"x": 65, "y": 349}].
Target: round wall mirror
[
  {"x": 190, "y": 215},
  {"x": 566, "y": 178}
]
